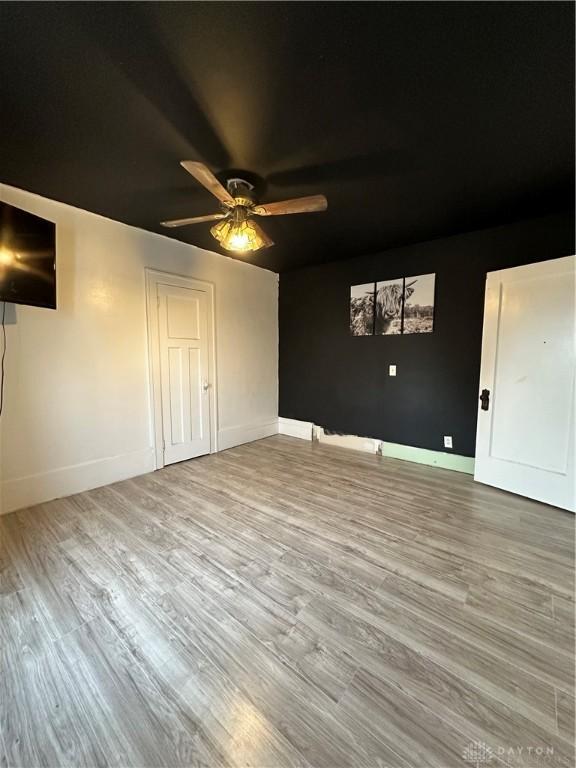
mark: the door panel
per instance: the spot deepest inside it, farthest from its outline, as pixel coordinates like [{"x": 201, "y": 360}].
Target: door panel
[
  {"x": 533, "y": 381},
  {"x": 184, "y": 371},
  {"x": 196, "y": 393},
  {"x": 525, "y": 441},
  {"x": 175, "y": 393},
  {"x": 183, "y": 317}
]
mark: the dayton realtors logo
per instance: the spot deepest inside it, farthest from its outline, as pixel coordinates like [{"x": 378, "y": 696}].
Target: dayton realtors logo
[{"x": 480, "y": 754}]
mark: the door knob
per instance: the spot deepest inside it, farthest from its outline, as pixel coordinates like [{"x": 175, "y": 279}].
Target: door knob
[
  {"x": 206, "y": 386},
  {"x": 485, "y": 399}
]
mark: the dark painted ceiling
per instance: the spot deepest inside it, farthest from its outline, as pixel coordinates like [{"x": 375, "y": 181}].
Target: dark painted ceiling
[{"x": 417, "y": 120}]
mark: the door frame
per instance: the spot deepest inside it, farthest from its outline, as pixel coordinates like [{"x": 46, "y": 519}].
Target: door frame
[{"x": 154, "y": 278}]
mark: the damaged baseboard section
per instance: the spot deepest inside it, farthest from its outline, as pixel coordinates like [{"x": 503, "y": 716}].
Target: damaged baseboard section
[
  {"x": 366, "y": 444},
  {"x": 309, "y": 431}
]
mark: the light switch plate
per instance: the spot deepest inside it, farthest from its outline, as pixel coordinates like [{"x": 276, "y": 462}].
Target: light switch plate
[
  {"x": 392, "y": 370},
  {"x": 447, "y": 441}
]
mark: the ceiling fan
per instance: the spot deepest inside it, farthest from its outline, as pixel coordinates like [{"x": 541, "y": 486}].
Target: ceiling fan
[{"x": 236, "y": 229}]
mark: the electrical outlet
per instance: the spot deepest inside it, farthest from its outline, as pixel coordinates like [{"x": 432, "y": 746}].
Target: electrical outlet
[
  {"x": 392, "y": 370},
  {"x": 447, "y": 441}
]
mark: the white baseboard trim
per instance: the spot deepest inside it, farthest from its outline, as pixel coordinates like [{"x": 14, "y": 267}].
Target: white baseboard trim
[
  {"x": 295, "y": 428},
  {"x": 232, "y": 436},
  {"x": 306, "y": 430},
  {"x": 65, "y": 481}
]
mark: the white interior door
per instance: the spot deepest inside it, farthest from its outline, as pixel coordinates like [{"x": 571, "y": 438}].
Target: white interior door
[
  {"x": 525, "y": 437},
  {"x": 183, "y": 328}
]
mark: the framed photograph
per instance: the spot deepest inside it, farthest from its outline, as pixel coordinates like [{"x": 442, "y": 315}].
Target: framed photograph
[
  {"x": 419, "y": 304},
  {"x": 362, "y": 309},
  {"x": 388, "y": 309}
]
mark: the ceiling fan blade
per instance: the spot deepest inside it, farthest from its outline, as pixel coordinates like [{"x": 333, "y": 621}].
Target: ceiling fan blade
[
  {"x": 309, "y": 204},
  {"x": 204, "y": 176},
  {"x": 265, "y": 239},
  {"x": 193, "y": 220}
]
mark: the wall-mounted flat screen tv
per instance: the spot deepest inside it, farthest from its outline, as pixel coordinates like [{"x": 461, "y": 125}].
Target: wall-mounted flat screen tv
[{"x": 27, "y": 258}]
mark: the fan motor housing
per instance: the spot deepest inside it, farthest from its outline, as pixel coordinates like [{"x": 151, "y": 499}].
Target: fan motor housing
[{"x": 242, "y": 191}]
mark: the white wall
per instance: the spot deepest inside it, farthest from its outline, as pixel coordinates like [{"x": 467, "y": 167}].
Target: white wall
[{"x": 77, "y": 411}]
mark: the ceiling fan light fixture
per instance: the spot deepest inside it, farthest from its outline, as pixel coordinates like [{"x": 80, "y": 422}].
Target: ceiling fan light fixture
[
  {"x": 236, "y": 230},
  {"x": 240, "y": 235}
]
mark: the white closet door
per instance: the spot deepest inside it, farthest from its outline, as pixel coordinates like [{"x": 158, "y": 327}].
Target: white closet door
[{"x": 184, "y": 371}]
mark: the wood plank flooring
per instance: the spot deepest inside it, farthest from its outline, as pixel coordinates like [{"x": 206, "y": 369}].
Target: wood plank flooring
[{"x": 287, "y": 604}]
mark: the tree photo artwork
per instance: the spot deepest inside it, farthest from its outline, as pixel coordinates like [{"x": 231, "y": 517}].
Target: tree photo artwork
[
  {"x": 362, "y": 309},
  {"x": 392, "y": 307}
]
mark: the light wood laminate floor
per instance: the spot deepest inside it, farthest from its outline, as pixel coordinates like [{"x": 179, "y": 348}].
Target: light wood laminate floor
[{"x": 287, "y": 604}]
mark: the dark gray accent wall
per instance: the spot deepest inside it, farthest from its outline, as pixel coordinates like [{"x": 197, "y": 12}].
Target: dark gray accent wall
[{"x": 341, "y": 382}]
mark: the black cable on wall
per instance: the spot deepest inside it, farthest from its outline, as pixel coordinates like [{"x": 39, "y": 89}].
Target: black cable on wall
[{"x": 3, "y": 357}]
